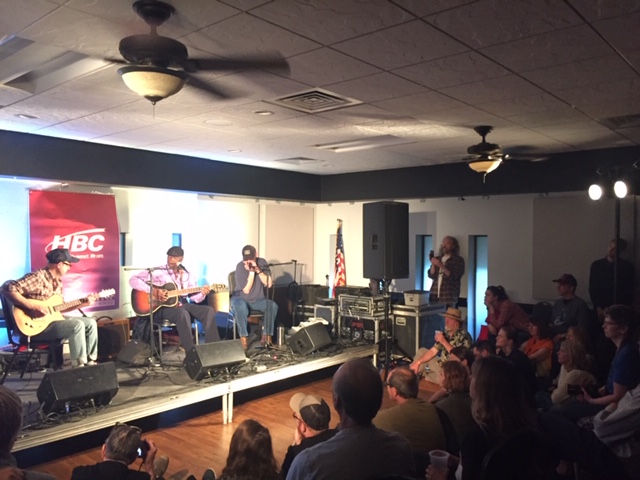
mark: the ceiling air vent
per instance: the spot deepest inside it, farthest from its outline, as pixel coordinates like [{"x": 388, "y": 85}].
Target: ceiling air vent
[
  {"x": 623, "y": 121},
  {"x": 314, "y": 101}
]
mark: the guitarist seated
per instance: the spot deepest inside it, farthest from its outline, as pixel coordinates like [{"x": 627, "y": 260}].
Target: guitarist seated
[
  {"x": 35, "y": 296},
  {"x": 168, "y": 280}
]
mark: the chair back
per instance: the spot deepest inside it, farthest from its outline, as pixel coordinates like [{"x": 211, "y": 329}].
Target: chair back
[
  {"x": 231, "y": 280},
  {"x": 9, "y": 321}
]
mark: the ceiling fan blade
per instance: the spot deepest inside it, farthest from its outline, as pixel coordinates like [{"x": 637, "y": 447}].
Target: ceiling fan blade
[
  {"x": 274, "y": 63},
  {"x": 119, "y": 61},
  {"x": 205, "y": 87}
]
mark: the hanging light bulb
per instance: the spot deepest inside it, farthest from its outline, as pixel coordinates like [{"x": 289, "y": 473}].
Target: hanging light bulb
[
  {"x": 620, "y": 189},
  {"x": 595, "y": 192}
]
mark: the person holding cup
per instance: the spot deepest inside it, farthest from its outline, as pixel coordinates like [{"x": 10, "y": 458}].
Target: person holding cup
[{"x": 429, "y": 362}]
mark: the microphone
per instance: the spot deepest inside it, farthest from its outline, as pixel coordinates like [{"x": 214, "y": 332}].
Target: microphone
[{"x": 181, "y": 267}]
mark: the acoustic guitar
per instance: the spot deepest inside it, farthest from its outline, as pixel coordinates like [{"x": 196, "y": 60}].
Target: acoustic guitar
[
  {"x": 140, "y": 299},
  {"x": 33, "y": 322}
]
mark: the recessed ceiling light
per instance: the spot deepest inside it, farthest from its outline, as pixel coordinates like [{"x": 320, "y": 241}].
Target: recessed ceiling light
[
  {"x": 25, "y": 116},
  {"x": 263, "y": 112}
]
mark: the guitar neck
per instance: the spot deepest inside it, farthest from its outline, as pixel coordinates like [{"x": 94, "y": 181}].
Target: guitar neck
[
  {"x": 69, "y": 305},
  {"x": 186, "y": 291}
]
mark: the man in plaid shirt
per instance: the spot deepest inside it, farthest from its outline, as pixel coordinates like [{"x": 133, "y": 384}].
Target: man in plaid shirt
[{"x": 40, "y": 285}]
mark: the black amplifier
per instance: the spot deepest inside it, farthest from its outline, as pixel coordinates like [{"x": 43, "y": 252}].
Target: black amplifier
[
  {"x": 353, "y": 305},
  {"x": 366, "y": 329}
]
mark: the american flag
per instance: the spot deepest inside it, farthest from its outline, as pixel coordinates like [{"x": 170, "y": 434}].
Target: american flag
[{"x": 340, "y": 267}]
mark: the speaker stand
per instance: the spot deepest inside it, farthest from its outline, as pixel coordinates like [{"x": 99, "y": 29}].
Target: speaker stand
[{"x": 391, "y": 346}]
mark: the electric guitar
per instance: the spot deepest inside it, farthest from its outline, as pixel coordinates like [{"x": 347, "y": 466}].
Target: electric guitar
[
  {"x": 140, "y": 299},
  {"x": 32, "y": 322}
]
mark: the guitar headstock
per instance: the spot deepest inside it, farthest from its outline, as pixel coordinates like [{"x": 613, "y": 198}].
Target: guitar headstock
[
  {"x": 219, "y": 287},
  {"x": 106, "y": 293}
]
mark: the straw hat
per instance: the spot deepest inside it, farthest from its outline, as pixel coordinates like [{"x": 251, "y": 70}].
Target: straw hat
[{"x": 453, "y": 313}]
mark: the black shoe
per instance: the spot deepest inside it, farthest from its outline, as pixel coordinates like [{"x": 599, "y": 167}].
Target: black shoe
[
  {"x": 191, "y": 477},
  {"x": 209, "y": 474}
]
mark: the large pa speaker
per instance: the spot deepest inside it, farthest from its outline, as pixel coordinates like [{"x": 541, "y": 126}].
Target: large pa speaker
[
  {"x": 201, "y": 359},
  {"x": 65, "y": 390},
  {"x": 309, "y": 339},
  {"x": 386, "y": 240}
]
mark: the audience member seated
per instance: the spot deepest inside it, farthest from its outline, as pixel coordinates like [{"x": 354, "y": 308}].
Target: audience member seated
[
  {"x": 483, "y": 349},
  {"x": 119, "y": 451},
  {"x": 359, "y": 450},
  {"x": 250, "y": 454},
  {"x": 502, "y": 413},
  {"x": 539, "y": 349},
  {"x": 456, "y": 403},
  {"x": 463, "y": 355},
  {"x": 624, "y": 374},
  {"x": 411, "y": 416},
  {"x": 502, "y": 312},
  {"x": 569, "y": 310},
  {"x": 618, "y": 425},
  {"x": 573, "y": 376},
  {"x": 429, "y": 361},
  {"x": 312, "y": 416},
  {"x": 10, "y": 423},
  {"x": 506, "y": 345}
]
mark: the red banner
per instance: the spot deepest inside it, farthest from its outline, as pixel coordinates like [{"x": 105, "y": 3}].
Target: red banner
[{"x": 86, "y": 224}]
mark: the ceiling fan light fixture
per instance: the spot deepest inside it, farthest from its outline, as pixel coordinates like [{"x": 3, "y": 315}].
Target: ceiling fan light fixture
[
  {"x": 152, "y": 83},
  {"x": 485, "y": 165}
]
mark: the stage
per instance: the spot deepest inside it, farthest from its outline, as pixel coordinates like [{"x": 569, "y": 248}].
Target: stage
[{"x": 143, "y": 392}]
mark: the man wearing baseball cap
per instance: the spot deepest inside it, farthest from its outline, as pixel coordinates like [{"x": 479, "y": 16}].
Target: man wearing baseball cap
[
  {"x": 252, "y": 276},
  {"x": 312, "y": 415},
  {"x": 570, "y": 310},
  {"x": 29, "y": 293},
  {"x": 179, "y": 310}
]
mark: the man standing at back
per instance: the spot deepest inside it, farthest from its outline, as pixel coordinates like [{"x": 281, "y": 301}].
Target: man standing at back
[
  {"x": 359, "y": 450},
  {"x": 570, "y": 310},
  {"x": 446, "y": 271}
]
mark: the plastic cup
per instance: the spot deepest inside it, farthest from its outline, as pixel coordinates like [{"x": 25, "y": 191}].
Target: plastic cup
[{"x": 439, "y": 459}]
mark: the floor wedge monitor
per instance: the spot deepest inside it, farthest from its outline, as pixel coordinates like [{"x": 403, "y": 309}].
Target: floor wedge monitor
[
  {"x": 309, "y": 339},
  {"x": 201, "y": 359},
  {"x": 66, "y": 390}
]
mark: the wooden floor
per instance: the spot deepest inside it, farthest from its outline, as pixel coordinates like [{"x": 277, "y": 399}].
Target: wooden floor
[{"x": 202, "y": 442}]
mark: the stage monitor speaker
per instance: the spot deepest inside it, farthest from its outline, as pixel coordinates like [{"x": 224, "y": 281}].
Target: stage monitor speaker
[
  {"x": 386, "y": 240},
  {"x": 112, "y": 336},
  {"x": 201, "y": 359},
  {"x": 309, "y": 339},
  {"x": 135, "y": 352},
  {"x": 65, "y": 390}
]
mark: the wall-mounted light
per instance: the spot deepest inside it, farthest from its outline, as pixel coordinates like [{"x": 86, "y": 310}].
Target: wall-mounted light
[
  {"x": 595, "y": 192},
  {"x": 620, "y": 189},
  {"x": 614, "y": 182}
]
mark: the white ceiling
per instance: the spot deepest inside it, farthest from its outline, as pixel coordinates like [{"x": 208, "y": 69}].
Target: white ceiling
[{"x": 549, "y": 75}]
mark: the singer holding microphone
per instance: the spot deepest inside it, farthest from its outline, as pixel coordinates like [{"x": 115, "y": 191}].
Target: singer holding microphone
[
  {"x": 180, "y": 312},
  {"x": 252, "y": 276}
]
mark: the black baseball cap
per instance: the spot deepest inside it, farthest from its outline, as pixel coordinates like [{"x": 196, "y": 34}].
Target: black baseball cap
[
  {"x": 61, "y": 255},
  {"x": 248, "y": 252},
  {"x": 567, "y": 279}
]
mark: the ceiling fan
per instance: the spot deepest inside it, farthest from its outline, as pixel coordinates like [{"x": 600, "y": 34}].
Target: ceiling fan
[
  {"x": 485, "y": 157},
  {"x": 157, "y": 67}
]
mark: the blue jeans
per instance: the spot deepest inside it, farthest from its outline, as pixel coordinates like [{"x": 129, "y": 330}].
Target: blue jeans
[
  {"x": 82, "y": 333},
  {"x": 240, "y": 309}
]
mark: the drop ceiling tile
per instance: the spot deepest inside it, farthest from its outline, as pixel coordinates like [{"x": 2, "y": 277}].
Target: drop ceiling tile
[
  {"x": 326, "y": 66},
  {"x": 463, "y": 116},
  {"x": 328, "y": 22},
  {"x": 459, "y": 69},
  {"x": 628, "y": 88},
  {"x": 412, "y": 105},
  {"x": 244, "y": 34},
  {"x": 492, "y": 22},
  {"x": 16, "y": 15},
  {"x": 581, "y": 73},
  {"x": 380, "y": 86},
  {"x": 549, "y": 49},
  {"x": 422, "y": 8},
  {"x": 402, "y": 45},
  {"x": 492, "y": 90},
  {"x": 558, "y": 115},
  {"x": 604, "y": 110},
  {"x": 358, "y": 114},
  {"x": 509, "y": 107},
  {"x": 597, "y": 10},
  {"x": 616, "y": 30},
  {"x": 10, "y": 95}
]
